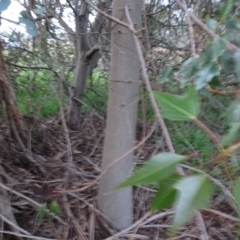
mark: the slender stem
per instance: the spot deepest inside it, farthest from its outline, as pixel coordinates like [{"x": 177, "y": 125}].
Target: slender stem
[{"x": 210, "y": 134}]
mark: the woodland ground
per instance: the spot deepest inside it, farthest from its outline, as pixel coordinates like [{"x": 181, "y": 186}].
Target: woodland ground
[{"x": 53, "y": 179}]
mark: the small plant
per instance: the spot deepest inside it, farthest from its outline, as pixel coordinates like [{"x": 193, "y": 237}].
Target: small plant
[
  {"x": 186, "y": 194},
  {"x": 47, "y": 209}
]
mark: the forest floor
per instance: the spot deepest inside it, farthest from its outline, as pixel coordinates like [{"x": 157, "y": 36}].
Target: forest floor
[{"x": 63, "y": 177}]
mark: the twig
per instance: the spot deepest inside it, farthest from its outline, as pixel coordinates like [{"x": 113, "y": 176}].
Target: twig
[
  {"x": 114, "y": 162},
  {"x": 26, "y": 236},
  {"x": 14, "y": 225},
  {"x": 191, "y": 32},
  {"x": 33, "y": 203},
  {"x": 229, "y": 45},
  {"x": 227, "y": 216}
]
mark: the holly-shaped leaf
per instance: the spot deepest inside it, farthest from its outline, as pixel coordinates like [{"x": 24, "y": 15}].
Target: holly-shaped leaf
[
  {"x": 189, "y": 68},
  {"x": 166, "y": 194},
  {"x": 158, "y": 168},
  {"x": 227, "y": 62},
  {"x": 166, "y": 74},
  {"x": 237, "y": 65},
  {"x": 212, "y": 24},
  {"x": 232, "y": 135},
  {"x": 208, "y": 71},
  {"x": 176, "y": 107},
  {"x": 236, "y": 194},
  {"x": 219, "y": 48},
  {"x": 194, "y": 193}
]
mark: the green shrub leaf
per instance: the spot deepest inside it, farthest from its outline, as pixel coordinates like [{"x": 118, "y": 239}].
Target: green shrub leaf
[
  {"x": 212, "y": 24},
  {"x": 176, "y": 107},
  {"x": 166, "y": 74},
  {"x": 232, "y": 134},
  {"x": 158, "y": 168},
  {"x": 236, "y": 194},
  {"x": 237, "y": 65},
  {"x": 208, "y": 71},
  {"x": 166, "y": 194},
  {"x": 194, "y": 193},
  {"x": 226, "y": 8}
]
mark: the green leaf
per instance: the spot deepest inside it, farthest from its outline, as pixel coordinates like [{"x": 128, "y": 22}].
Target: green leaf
[
  {"x": 166, "y": 194},
  {"x": 236, "y": 194},
  {"x": 166, "y": 74},
  {"x": 158, "y": 168},
  {"x": 4, "y": 4},
  {"x": 237, "y": 65},
  {"x": 54, "y": 207},
  {"x": 42, "y": 213},
  {"x": 227, "y": 62},
  {"x": 176, "y": 107},
  {"x": 212, "y": 24},
  {"x": 208, "y": 71},
  {"x": 231, "y": 25},
  {"x": 233, "y": 112},
  {"x": 194, "y": 193},
  {"x": 189, "y": 68},
  {"x": 219, "y": 48},
  {"x": 226, "y": 8},
  {"x": 232, "y": 134}
]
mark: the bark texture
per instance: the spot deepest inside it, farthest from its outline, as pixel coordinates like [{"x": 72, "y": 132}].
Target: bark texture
[
  {"x": 87, "y": 54},
  {"x": 121, "y": 118}
]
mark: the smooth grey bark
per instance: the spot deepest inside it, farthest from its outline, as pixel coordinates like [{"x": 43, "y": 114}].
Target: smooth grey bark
[
  {"x": 121, "y": 118},
  {"x": 87, "y": 54},
  {"x": 86, "y": 40}
]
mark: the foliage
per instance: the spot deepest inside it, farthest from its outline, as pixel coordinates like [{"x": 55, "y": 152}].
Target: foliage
[
  {"x": 35, "y": 95},
  {"x": 47, "y": 209},
  {"x": 184, "y": 194}
]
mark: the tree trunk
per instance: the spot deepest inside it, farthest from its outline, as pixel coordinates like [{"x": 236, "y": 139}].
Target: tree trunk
[
  {"x": 14, "y": 116},
  {"x": 121, "y": 118},
  {"x": 87, "y": 55}
]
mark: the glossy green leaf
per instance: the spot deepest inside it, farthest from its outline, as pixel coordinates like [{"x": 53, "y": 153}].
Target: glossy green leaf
[
  {"x": 166, "y": 194},
  {"x": 231, "y": 25},
  {"x": 194, "y": 193},
  {"x": 212, "y": 24},
  {"x": 232, "y": 135},
  {"x": 233, "y": 112},
  {"x": 236, "y": 194},
  {"x": 237, "y": 65},
  {"x": 158, "y": 168},
  {"x": 189, "y": 68},
  {"x": 219, "y": 48},
  {"x": 226, "y": 8},
  {"x": 227, "y": 62},
  {"x": 208, "y": 71},
  {"x": 4, "y": 4},
  {"x": 176, "y": 107},
  {"x": 166, "y": 74}
]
